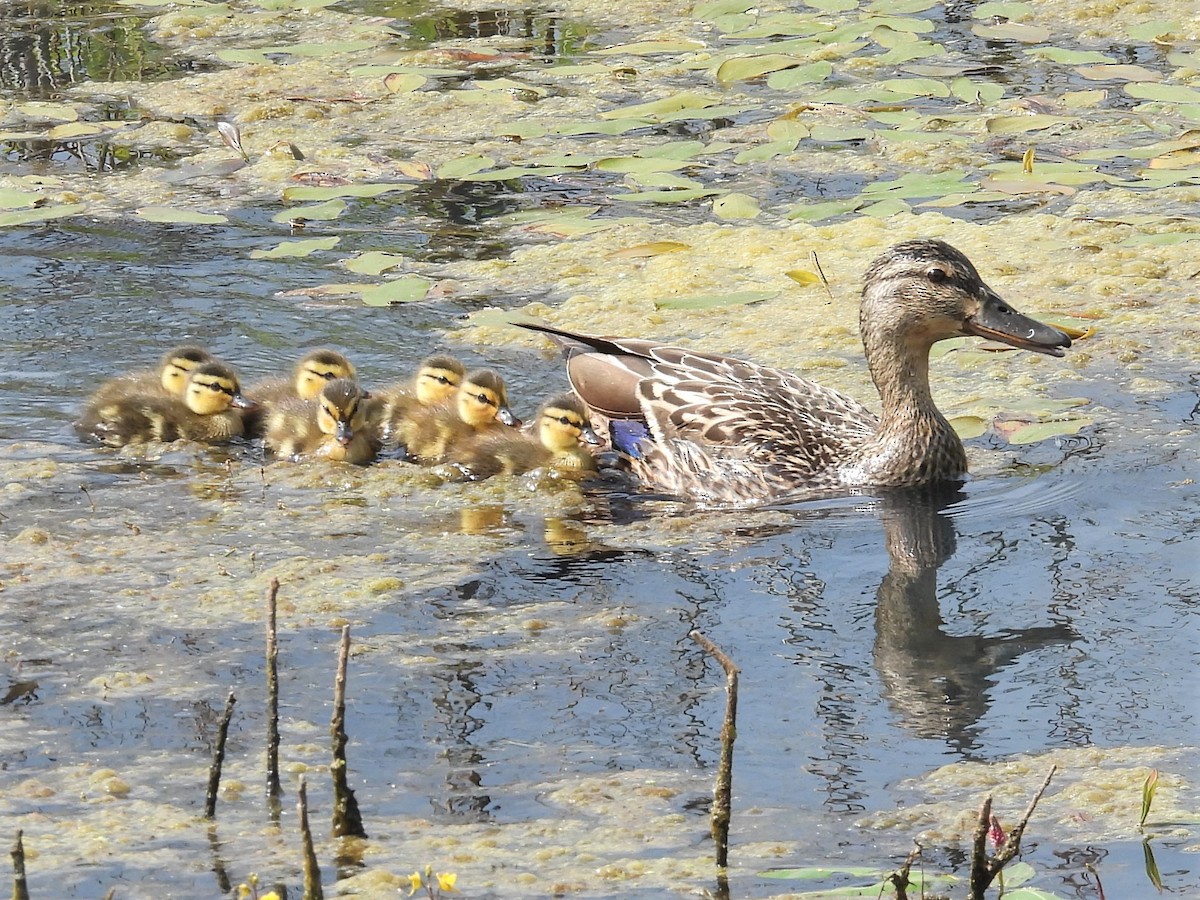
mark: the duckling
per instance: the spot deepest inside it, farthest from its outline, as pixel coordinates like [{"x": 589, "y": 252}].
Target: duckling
[
  {"x": 210, "y": 411},
  {"x": 480, "y": 404},
  {"x": 169, "y": 379},
  {"x": 562, "y": 423},
  {"x": 312, "y": 373},
  {"x": 437, "y": 379},
  {"x": 334, "y": 426}
]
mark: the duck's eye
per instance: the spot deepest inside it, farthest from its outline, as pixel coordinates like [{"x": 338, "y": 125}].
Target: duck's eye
[
  {"x": 441, "y": 379},
  {"x": 484, "y": 399},
  {"x": 565, "y": 420},
  {"x": 937, "y": 275}
]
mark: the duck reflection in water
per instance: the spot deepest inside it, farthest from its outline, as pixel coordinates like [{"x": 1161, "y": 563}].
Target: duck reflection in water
[{"x": 937, "y": 683}]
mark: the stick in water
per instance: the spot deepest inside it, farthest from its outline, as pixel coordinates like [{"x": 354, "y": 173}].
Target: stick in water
[{"x": 214, "y": 772}]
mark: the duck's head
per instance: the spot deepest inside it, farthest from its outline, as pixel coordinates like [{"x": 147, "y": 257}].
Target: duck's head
[
  {"x": 563, "y": 423},
  {"x": 438, "y": 377},
  {"x": 319, "y": 367},
  {"x": 482, "y": 399},
  {"x": 341, "y": 409},
  {"x": 924, "y": 291},
  {"x": 178, "y": 364},
  {"x": 213, "y": 388}
]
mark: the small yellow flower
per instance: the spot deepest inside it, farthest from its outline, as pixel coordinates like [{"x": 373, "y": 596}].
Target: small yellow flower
[
  {"x": 414, "y": 883},
  {"x": 446, "y": 881}
]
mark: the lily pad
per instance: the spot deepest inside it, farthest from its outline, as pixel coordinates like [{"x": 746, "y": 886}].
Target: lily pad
[
  {"x": 76, "y": 130},
  {"x": 968, "y": 427},
  {"x": 736, "y": 206},
  {"x": 317, "y": 192},
  {"x": 167, "y": 214},
  {"x": 813, "y": 73},
  {"x": 296, "y": 249},
  {"x": 656, "y": 109},
  {"x": 714, "y": 301},
  {"x": 1022, "y": 124},
  {"x": 10, "y": 198},
  {"x": 651, "y": 48},
  {"x": 1113, "y": 72},
  {"x": 1069, "y": 57},
  {"x": 40, "y": 214},
  {"x": 509, "y": 173},
  {"x": 464, "y": 165},
  {"x": 650, "y": 249},
  {"x": 373, "y": 262},
  {"x": 1166, "y": 93},
  {"x": 815, "y": 212},
  {"x": 680, "y": 196},
  {"x": 405, "y": 289},
  {"x": 40, "y": 109},
  {"x": 744, "y": 68},
  {"x": 403, "y": 82},
  {"x": 1039, "y": 431},
  {"x": 318, "y": 212},
  {"x": 638, "y": 164},
  {"x": 1012, "y": 31},
  {"x": 763, "y": 152}
]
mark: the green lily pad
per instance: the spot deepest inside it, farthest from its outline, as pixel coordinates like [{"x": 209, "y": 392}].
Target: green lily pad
[
  {"x": 971, "y": 91},
  {"x": 918, "y": 87},
  {"x": 663, "y": 180},
  {"x": 1040, "y": 431},
  {"x": 406, "y": 289},
  {"x": 813, "y": 73},
  {"x": 1118, "y": 72},
  {"x": 40, "y": 109},
  {"x": 464, "y": 165},
  {"x": 509, "y": 173},
  {"x": 610, "y": 128},
  {"x": 816, "y": 212},
  {"x": 242, "y": 55},
  {"x": 714, "y": 301},
  {"x": 833, "y": 134},
  {"x": 296, "y": 249},
  {"x": 11, "y": 198},
  {"x": 968, "y": 427},
  {"x": 638, "y": 164},
  {"x": 1012, "y": 31},
  {"x": 832, "y": 6},
  {"x": 1069, "y": 57},
  {"x": 651, "y": 48},
  {"x": 901, "y": 23},
  {"x": 318, "y": 212},
  {"x": 919, "y": 184},
  {"x": 744, "y": 68},
  {"x": 1013, "y": 10},
  {"x": 736, "y": 206},
  {"x": 329, "y": 192},
  {"x": 1151, "y": 31},
  {"x": 1022, "y": 124},
  {"x": 1166, "y": 93},
  {"x": 655, "y": 109},
  {"x": 166, "y": 214},
  {"x": 40, "y": 214},
  {"x": 403, "y": 82},
  {"x": 787, "y": 130},
  {"x": 373, "y": 262},
  {"x": 820, "y": 873},
  {"x": 678, "y": 196},
  {"x": 763, "y": 152},
  {"x": 71, "y": 130}
]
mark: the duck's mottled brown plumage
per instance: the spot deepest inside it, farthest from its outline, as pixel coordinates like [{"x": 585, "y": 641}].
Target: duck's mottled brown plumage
[{"x": 728, "y": 431}]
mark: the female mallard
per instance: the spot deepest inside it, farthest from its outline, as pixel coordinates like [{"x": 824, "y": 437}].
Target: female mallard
[
  {"x": 315, "y": 369},
  {"x": 479, "y": 404},
  {"x": 210, "y": 411},
  {"x": 723, "y": 430},
  {"x": 437, "y": 379},
  {"x": 560, "y": 428},
  {"x": 334, "y": 425}
]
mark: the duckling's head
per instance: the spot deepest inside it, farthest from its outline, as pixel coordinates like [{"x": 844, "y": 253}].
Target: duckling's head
[
  {"x": 438, "y": 378},
  {"x": 177, "y": 364},
  {"x": 924, "y": 291},
  {"x": 482, "y": 399},
  {"x": 563, "y": 422},
  {"x": 212, "y": 388},
  {"x": 319, "y": 367},
  {"x": 341, "y": 409}
]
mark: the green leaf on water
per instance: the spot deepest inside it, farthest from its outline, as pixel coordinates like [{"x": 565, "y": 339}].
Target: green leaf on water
[
  {"x": 763, "y": 152},
  {"x": 319, "y": 212},
  {"x": 901, "y": 23},
  {"x": 1151, "y": 31},
  {"x": 242, "y": 55},
  {"x": 1040, "y": 431},
  {"x": 674, "y": 150},
  {"x": 1031, "y": 894},
  {"x": 373, "y": 262},
  {"x": 833, "y": 134},
  {"x": 1117, "y": 72},
  {"x": 329, "y": 192},
  {"x": 179, "y": 216},
  {"x": 406, "y": 289},
  {"x": 680, "y": 196},
  {"x": 77, "y": 130},
  {"x": 1016, "y": 874},
  {"x": 464, "y": 165},
  {"x": 654, "y": 110},
  {"x": 744, "y": 68},
  {"x": 1165, "y": 93},
  {"x": 886, "y": 208},
  {"x": 509, "y": 173},
  {"x": 1022, "y": 124},
  {"x": 650, "y": 48},
  {"x": 638, "y": 164},
  {"x": 665, "y": 180},
  {"x": 1069, "y": 57},
  {"x": 816, "y": 212},
  {"x": 713, "y": 8},
  {"x": 41, "y": 109},
  {"x": 1004, "y": 9},
  {"x": 813, "y": 73},
  {"x": 648, "y": 250},
  {"x": 403, "y": 82},
  {"x": 1012, "y": 31},
  {"x": 295, "y": 249},
  {"x": 786, "y": 129},
  {"x": 970, "y": 91},
  {"x": 968, "y": 427},
  {"x": 612, "y": 128},
  {"x": 819, "y": 873},
  {"x": 714, "y": 301},
  {"x": 832, "y": 6},
  {"x": 40, "y": 214},
  {"x": 10, "y": 198},
  {"x": 736, "y": 206}
]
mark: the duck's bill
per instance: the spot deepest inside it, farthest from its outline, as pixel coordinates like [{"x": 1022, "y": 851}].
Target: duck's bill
[
  {"x": 505, "y": 416},
  {"x": 343, "y": 433},
  {"x": 242, "y": 402},
  {"x": 998, "y": 321}
]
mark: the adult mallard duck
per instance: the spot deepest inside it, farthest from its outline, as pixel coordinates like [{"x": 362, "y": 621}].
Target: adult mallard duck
[
  {"x": 334, "y": 425},
  {"x": 170, "y": 378},
  {"x": 210, "y": 411},
  {"x": 315, "y": 369},
  {"x": 723, "y": 430},
  {"x": 560, "y": 427},
  {"x": 480, "y": 403},
  {"x": 437, "y": 379}
]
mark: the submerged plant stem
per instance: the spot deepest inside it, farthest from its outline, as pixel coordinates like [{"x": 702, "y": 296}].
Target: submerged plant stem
[
  {"x": 274, "y": 788},
  {"x": 214, "y": 772},
  {"x": 723, "y": 789},
  {"x": 347, "y": 821}
]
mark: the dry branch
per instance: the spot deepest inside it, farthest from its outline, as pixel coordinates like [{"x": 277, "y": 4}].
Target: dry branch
[
  {"x": 723, "y": 789},
  {"x": 347, "y": 820},
  {"x": 312, "y": 869},
  {"x": 20, "y": 889},
  {"x": 214, "y": 771},
  {"x": 985, "y": 870},
  {"x": 274, "y": 788}
]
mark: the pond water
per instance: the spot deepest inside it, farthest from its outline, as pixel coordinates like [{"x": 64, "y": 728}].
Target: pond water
[{"x": 525, "y": 706}]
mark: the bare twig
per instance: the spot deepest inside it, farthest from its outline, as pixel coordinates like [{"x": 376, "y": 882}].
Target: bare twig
[
  {"x": 899, "y": 879},
  {"x": 312, "y": 869},
  {"x": 821, "y": 273},
  {"x": 347, "y": 821},
  {"x": 20, "y": 890},
  {"x": 274, "y": 788},
  {"x": 985, "y": 870},
  {"x": 214, "y": 771},
  {"x": 723, "y": 789}
]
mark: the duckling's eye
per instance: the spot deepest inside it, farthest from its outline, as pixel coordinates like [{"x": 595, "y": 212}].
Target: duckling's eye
[
  {"x": 565, "y": 420},
  {"x": 937, "y": 275},
  {"x": 484, "y": 399}
]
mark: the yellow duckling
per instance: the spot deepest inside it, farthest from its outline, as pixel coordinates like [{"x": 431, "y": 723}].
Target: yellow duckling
[
  {"x": 335, "y": 425},
  {"x": 170, "y": 378},
  {"x": 437, "y": 379},
  {"x": 312, "y": 373},
  {"x": 210, "y": 411},
  {"x": 480, "y": 404},
  {"x": 562, "y": 424}
]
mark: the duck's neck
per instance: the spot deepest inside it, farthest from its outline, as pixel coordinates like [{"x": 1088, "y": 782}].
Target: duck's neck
[{"x": 914, "y": 443}]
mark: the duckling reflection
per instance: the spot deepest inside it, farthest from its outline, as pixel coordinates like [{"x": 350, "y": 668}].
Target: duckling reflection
[{"x": 936, "y": 682}]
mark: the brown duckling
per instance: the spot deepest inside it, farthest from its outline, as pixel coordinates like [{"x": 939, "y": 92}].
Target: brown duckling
[
  {"x": 480, "y": 404},
  {"x": 335, "y": 425},
  {"x": 562, "y": 424},
  {"x": 437, "y": 379},
  {"x": 315, "y": 369},
  {"x": 210, "y": 411},
  {"x": 169, "y": 379}
]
